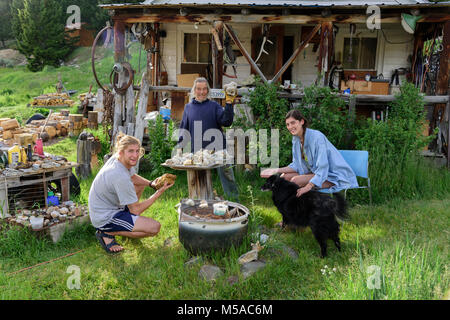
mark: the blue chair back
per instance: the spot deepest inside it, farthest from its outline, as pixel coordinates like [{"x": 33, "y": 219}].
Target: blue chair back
[{"x": 358, "y": 161}]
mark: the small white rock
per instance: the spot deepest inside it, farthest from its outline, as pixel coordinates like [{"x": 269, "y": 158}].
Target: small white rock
[{"x": 55, "y": 214}]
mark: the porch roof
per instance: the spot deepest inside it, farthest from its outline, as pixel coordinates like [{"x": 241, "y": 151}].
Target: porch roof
[{"x": 276, "y": 3}]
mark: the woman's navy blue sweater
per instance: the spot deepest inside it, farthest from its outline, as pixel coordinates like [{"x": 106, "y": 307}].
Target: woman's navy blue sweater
[{"x": 198, "y": 117}]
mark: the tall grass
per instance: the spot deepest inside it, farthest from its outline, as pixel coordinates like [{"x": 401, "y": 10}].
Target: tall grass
[
  {"x": 398, "y": 271},
  {"x": 416, "y": 179}
]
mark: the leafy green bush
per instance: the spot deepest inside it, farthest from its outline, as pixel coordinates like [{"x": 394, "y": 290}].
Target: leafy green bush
[
  {"x": 269, "y": 112},
  {"x": 327, "y": 113},
  {"x": 103, "y": 137},
  {"x": 393, "y": 145},
  {"x": 161, "y": 145}
]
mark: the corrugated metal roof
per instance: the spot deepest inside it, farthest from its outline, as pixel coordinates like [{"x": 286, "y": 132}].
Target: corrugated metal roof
[
  {"x": 302, "y": 3},
  {"x": 278, "y": 3}
]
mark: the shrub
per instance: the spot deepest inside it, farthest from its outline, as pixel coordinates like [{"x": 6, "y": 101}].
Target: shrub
[
  {"x": 161, "y": 145},
  {"x": 327, "y": 113},
  {"x": 269, "y": 112},
  {"x": 393, "y": 146}
]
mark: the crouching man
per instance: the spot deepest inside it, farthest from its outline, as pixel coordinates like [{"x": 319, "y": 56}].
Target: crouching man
[{"x": 114, "y": 206}]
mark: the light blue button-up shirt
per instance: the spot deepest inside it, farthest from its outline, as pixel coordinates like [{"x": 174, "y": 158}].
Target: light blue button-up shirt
[{"x": 323, "y": 160}]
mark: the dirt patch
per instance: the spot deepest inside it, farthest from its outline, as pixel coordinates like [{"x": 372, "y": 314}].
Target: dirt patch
[{"x": 13, "y": 56}]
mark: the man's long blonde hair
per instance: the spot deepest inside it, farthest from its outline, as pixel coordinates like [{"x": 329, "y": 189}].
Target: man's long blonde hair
[{"x": 123, "y": 141}]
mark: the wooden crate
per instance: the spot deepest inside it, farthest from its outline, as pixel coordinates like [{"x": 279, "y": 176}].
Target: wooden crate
[{"x": 30, "y": 190}]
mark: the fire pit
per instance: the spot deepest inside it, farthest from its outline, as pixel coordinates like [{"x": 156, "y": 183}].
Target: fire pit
[{"x": 201, "y": 231}]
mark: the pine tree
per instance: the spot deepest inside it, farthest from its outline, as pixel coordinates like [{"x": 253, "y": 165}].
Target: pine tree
[
  {"x": 5, "y": 22},
  {"x": 40, "y": 33}
]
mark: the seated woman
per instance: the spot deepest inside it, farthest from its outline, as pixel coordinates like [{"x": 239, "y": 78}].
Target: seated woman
[{"x": 316, "y": 163}]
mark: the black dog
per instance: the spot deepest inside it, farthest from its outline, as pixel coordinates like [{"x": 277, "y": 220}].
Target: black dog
[{"x": 314, "y": 209}]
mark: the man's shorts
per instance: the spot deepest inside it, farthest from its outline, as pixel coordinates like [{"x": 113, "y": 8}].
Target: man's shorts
[{"x": 122, "y": 221}]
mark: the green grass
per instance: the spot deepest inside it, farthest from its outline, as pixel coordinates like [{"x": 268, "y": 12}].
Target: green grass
[
  {"x": 406, "y": 241},
  {"x": 18, "y": 85}
]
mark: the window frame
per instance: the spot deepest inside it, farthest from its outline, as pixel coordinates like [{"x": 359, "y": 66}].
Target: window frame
[
  {"x": 360, "y": 37},
  {"x": 198, "y": 33}
]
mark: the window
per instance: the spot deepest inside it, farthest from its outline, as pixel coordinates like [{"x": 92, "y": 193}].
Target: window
[
  {"x": 197, "y": 48},
  {"x": 363, "y": 53}
]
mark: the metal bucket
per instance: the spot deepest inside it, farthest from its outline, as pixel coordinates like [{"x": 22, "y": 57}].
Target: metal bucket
[{"x": 202, "y": 235}]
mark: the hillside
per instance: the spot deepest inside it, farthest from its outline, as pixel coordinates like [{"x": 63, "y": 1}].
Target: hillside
[{"x": 18, "y": 85}]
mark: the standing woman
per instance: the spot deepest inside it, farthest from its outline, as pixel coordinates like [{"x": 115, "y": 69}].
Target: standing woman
[{"x": 316, "y": 163}]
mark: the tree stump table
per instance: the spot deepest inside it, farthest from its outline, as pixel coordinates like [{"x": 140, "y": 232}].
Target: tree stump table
[{"x": 199, "y": 180}]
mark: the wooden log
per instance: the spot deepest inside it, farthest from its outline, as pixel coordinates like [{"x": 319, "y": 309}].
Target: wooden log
[
  {"x": 75, "y": 117},
  {"x": 51, "y": 131},
  {"x": 65, "y": 123},
  {"x": 65, "y": 113},
  {"x": 269, "y": 18},
  {"x": 92, "y": 120},
  {"x": 200, "y": 184},
  {"x": 83, "y": 158},
  {"x": 141, "y": 124},
  {"x": 23, "y": 139},
  {"x": 93, "y": 116},
  {"x": 7, "y": 134},
  {"x": 63, "y": 132},
  {"x": 10, "y": 124}
]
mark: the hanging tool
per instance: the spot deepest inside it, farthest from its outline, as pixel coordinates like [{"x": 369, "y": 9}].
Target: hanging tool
[
  {"x": 350, "y": 50},
  {"x": 229, "y": 57}
]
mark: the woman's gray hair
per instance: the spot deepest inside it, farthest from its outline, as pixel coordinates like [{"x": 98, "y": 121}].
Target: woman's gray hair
[{"x": 200, "y": 79}]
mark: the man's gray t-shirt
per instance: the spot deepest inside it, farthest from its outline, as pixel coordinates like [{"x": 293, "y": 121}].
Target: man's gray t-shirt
[{"x": 111, "y": 190}]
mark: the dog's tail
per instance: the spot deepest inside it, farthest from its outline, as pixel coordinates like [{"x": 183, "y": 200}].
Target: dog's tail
[{"x": 341, "y": 209}]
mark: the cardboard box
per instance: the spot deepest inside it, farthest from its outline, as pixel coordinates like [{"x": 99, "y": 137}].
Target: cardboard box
[{"x": 187, "y": 80}]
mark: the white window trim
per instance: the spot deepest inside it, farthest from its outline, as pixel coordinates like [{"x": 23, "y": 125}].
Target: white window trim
[{"x": 344, "y": 32}]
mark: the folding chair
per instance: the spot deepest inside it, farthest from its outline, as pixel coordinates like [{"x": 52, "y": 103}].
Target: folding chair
[{"x": 358, "y": 160}]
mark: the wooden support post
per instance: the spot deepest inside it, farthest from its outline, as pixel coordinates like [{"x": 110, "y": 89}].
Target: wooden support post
[
  {"x": 217, "y": 39},
  {"x": 218, "y": 55},
  {"x": 447, "y": 112},
  {"x": 296, "y": 53},
  {"x": 65, "y": 188},
  {"x": 244, "y": 52},
  {"x": 200, "y": 184},
  {"x": 83, "y": 158},
  {"x": 142, "y": 108},
  {"x": 324, "y": 58},
  {"x": 119, "y": 41},
  {"x": 92, "y": 119},
  {"x": 330, "y": 53}
]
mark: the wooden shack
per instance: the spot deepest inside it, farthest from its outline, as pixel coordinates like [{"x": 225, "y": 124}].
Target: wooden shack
[{"x": 363, "y": 46}]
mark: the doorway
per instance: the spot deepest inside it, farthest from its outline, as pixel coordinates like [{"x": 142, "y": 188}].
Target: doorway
[{"x": 288, "y": 50}]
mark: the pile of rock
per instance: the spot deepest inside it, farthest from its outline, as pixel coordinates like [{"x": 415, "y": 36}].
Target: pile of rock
[
  {"x": 37, "y": 163},
  {"x": 52, "y": 215}
]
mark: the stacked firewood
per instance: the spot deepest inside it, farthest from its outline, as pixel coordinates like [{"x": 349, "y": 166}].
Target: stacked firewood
[
  {"x": 11, "y": 132},
  {"x": 52, "y": 99}
]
